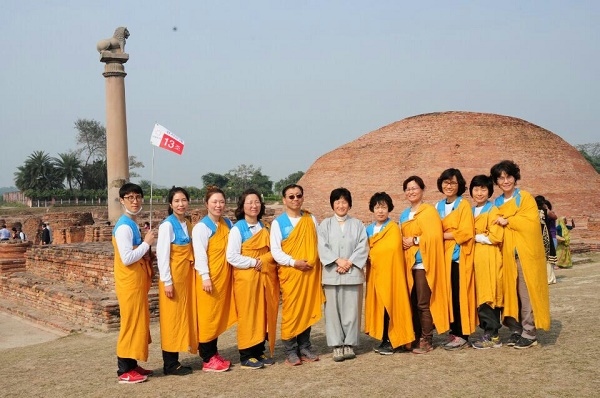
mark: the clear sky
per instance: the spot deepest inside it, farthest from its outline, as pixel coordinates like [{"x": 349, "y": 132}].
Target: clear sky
[{"x": 279, "y": 83}]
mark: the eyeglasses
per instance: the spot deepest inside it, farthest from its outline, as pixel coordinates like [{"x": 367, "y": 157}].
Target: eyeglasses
[
  {"x": 507, "y": 178},
  {"x": 134, "y": 198},
  {"x": 292, "y": 197},
  {"x": 257, "y": 203},
  {"x": 412, "y": 189},
  {"x": 449, "y": 183}
]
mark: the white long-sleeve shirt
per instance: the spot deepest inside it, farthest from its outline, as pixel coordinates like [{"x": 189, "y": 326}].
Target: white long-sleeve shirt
[
  {"x": 234, "y": 248},
  {"x": 279, "y": 255},
  {"x": 124, "y": 238},
  {"x": 166, "y": 236},
  {"x": 200, "y": 236}
]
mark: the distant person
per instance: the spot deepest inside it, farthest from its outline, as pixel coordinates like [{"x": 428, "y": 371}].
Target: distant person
[
  {"x": 523, "y": 259},
  {"x": 133, "y": 277},
  {"x": 343, "y": 250},
  {"x": 21, "y": 235},
  {"x": 549, "y": 249},
  {"x": 50, "y": 232},
  {"x": 4, "y": 233},
  {"x": 563, "y": 249},
  {"x": 294, "y": 245},
  {"x": 15, "y": 233},
  {"x": 45, "y": 235},
  {"x": 146, "y": 226}
]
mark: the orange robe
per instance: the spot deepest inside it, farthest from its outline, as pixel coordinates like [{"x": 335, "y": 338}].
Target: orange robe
[
  {"x": 302, "y": 293},
  {"x": 132, "y": 283},
  {"x": 523, "y": 235},
  {"x": 488, "y": 260},
  {"x": 427, "y": 225},
  {"x": 177, "y": 314},
  {"x": 461, "y": 224},
  {"x": 257, "y": 294},
  {"x": 387, "y": 288},
  {"x": 216, "y": 311}
]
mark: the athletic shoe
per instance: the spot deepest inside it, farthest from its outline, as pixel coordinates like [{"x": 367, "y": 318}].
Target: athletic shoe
[
  {"x": 338, "y": 354},
  {"x": 349, "y": 352},
  {"x": 379, "y": 347},
  {"x": 487, "y": 342},
  {"x": 293, "y": 359},
  {"x": 306, "y": 355},
  {"x": 132, "y": 377},
  {"x": 423, "y": 348},
  {"x": 387, "y": 349},
  {"x": 524, "y": 342},
  {"x": 215, "y": 365},
  {"x": 455, "y": 343},
  {"x": 267, "y": 361},
  {"x": 144, "y": 372},
  {"x": 179, "y": 371},
  {"x": 252, "y": 363},
  {"x": 226, "y": 362},
  {"x": 512, "y": 340}
]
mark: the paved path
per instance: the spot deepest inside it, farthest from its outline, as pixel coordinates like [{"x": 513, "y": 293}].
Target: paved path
[{"x": 17, "y": 332}]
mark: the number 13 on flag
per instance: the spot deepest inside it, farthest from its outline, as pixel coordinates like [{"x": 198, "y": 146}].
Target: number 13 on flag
[{"x": 163, "y": 138}]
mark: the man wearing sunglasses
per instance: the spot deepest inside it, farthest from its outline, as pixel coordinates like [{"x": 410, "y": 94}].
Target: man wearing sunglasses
[{"x": 294, "y": 247}]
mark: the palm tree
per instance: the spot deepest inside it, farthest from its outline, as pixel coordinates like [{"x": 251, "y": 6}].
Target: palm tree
[
  {"x": 38, "y": 173},
  {"x": 68, "y": 166}
]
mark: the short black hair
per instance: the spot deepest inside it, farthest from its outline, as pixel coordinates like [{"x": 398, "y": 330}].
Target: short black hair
[
  {"x": 290, "y": 186},
  {"x": 239, "y": 211},
  {"x": 509, "y": 167},
  {"x": 447, "y": 175},
  {"x": 172, "y": 193},
  {"x": 128, "y": 188},
  {"x": 482, "y": 180},
  {"x": 339, "y": 193},
  {"x": 380, "y": 197},
  {"x": 416, "y": 179}
]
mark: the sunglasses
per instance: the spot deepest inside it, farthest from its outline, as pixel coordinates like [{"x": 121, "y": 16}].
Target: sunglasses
[{"x": 292, "y": 197}]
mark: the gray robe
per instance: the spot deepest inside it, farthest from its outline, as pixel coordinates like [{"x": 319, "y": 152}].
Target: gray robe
[{"x": 351, "y": 244}]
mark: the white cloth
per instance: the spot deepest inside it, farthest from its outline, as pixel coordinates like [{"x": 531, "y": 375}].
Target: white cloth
[
  {"x": 166, "y": 236},
  {"x": 200, "y": 237},
  {"x": 281, "y": 257},
  {"x": 234, "y": 248},
  {"x": 124, "y": 239}
]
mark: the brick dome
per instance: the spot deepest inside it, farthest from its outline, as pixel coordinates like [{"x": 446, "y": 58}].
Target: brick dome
[{"x": 425, "y": 145}]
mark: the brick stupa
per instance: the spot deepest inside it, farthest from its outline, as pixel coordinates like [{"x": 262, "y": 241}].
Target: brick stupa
[{"x": 427, "y": 144}]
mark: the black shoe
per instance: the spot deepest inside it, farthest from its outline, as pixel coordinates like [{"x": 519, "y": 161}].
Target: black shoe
[
  {"x": 512, "y": 340},
  {"x": 179, "y": 371},
  {"x": 524, "y": 342},
  {"x": 387, "y": 349}
]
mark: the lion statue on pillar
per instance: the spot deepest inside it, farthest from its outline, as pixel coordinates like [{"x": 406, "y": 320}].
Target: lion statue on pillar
[{"x": 116, "y": 43}]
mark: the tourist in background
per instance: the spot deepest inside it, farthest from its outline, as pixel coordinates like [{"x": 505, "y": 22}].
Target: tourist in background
[
  {"x": 343, "y": 252},
  {"x": 175, "y": 288},
  {"x": 133, "y": 277},
  {"x": 214, "y": 280},
  {"x": 423, "y": 244},
  {"x": 459, "y": 239},
  {"x": 563, "y": 249},
  {"x": 487, "y": 262},
  {"x": 4, "y": 233},
  {"x": 294, "y": 245},
  {"x": 46, "y": 235},
  {"x": 549, "y": 249},
  {"x": 523, "y": 259},
  {"x": 255, "y": 281},
  {"x": 388, "y": 314}
]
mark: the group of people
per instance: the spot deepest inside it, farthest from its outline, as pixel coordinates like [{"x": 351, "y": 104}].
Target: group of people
[
  {"x": 445, "y": 267},
  {"x": 17, "y": 233}
]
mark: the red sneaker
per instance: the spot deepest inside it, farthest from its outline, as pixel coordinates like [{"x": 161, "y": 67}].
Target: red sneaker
[
  {"x": 144, "y": 372},
  {"x": 132, "y": 377},
  {"x": 226, "y": 362},
  {"x": 215, "y": 365}
]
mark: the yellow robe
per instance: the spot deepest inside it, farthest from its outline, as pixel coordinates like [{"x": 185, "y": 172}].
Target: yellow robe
[
  {"x": 427, "y": 225},
  {"x": 132, "y": 283},
  {"x": 177, "y": 314},
  {"x": 257, "y": 294},
  {"x": 302, "y": 293},
  {"x": 460, "y": 223},
  {"x": 216, "y": 311},
  {"x": 488, "y": 261},
  {"x": 387, "y": 288},
  {"x": 523, "y": 234}
]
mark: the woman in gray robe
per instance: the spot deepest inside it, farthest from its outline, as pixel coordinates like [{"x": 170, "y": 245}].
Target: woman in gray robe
[{"x": 343, "y": 250}]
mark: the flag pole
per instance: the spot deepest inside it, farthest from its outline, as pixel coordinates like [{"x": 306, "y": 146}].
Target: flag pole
[{"x": 151, "y": 183}]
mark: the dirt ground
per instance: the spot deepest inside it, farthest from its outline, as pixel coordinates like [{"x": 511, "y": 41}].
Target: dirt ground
[{"x": 565, "y": 364}]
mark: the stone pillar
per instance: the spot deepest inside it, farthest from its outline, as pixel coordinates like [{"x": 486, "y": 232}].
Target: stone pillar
[{"x": 117, "y": 156}]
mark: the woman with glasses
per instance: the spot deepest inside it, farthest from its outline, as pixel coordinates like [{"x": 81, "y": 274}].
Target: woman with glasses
[
  {"x": 523, "y": 259},
  {"x": 175, "y": 295},
  {"x": 459, "y": 237},
  {"x": 214, "y": 280},
  {"x": 423, "y": 244},
  {"x": 255, "y": 282},
  {"x": 343, "y": 253},
  {"x": 387, "y": 303}
]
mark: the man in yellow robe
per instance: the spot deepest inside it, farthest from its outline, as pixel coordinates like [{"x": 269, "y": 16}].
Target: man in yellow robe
[
  {"x": 524, "y": 260},
  {"x": 133, "y": 277},
  {"x": 294, "y": 245}
]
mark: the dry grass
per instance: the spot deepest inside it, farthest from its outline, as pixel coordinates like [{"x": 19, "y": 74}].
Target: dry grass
[{"x": 565, "y": 364}]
